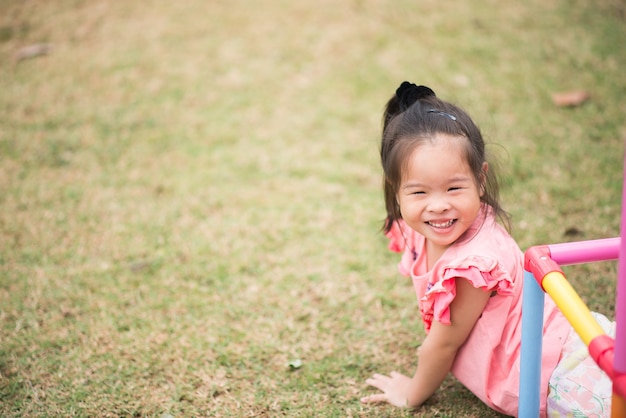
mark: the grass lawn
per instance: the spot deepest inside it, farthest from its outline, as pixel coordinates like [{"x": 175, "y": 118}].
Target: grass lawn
[{"x": 190, "y": 192}]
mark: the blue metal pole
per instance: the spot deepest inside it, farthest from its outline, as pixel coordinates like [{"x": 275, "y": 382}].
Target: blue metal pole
[{"x": 532, "y": 335}]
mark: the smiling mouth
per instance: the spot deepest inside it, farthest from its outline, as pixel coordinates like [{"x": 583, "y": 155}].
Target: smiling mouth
[{"x": 442, "y": 224}]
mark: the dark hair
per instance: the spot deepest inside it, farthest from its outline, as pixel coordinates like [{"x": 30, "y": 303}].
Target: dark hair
[{"x": 414, "y": 115}]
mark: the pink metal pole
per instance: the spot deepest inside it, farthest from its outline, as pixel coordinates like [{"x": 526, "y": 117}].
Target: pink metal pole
[
  {"x": 619, "y": 365},
  {"x": 585, "y": 251}
]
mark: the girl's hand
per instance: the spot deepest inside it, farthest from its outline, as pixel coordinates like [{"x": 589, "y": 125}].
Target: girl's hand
[
  {"x": 394, "y": 388},
  {"x": 436, "y": 354}
]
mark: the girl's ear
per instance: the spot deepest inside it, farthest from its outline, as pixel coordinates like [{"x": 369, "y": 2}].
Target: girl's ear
[{"x": 483, "y": 178}]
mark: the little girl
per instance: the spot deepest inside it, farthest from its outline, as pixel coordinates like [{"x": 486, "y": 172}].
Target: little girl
[{"x": 442, "y": 210}]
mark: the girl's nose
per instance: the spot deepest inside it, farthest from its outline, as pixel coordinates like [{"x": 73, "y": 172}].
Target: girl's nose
[{"x": 438, "y": 205}]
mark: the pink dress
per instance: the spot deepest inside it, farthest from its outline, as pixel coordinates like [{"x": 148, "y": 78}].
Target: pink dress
[{"x": 488, "y": 363}]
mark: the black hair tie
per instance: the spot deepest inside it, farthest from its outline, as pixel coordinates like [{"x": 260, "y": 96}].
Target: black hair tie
[{"x": 409, "y": 93}]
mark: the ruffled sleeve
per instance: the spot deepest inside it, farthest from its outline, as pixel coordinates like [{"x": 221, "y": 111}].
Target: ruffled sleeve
[
  {"x": 402, "y": 240},
  {"x": 482, "y": 272},
  {"x": 396, "y": 240}
]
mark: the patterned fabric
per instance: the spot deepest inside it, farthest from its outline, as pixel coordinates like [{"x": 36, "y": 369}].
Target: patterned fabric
[{"x": 578, "y": 387}]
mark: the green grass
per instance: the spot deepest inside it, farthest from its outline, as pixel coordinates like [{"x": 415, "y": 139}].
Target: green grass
[{"x": 190, "y": 192}]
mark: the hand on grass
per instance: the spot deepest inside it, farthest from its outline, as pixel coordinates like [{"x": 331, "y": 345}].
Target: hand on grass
[{"x": 394, "y": 388}]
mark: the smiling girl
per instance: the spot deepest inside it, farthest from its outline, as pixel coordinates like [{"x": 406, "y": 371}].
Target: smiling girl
[{"x": 442, "y": 205}]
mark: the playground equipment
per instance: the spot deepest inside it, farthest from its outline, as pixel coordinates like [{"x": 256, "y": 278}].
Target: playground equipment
[{"x": 543, "y": 274}]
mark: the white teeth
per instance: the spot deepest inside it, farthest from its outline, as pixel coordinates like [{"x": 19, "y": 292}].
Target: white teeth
[{"x": 442, "y": 225}]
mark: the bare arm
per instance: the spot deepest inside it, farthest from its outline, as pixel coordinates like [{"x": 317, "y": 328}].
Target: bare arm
[{"x": 437, "y": 353}]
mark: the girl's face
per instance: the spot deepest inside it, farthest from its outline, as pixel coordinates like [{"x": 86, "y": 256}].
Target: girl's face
[{"x": 438, "y": 194}]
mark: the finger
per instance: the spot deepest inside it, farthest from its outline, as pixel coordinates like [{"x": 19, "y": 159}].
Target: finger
[
  {"x": 379, "y": 397},
  {"x": 377, "y": 383}
]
